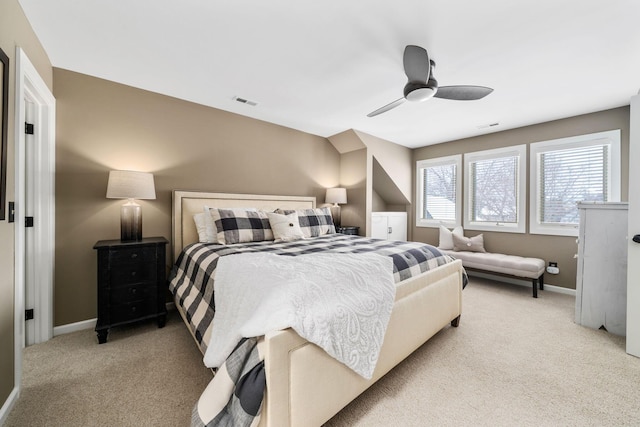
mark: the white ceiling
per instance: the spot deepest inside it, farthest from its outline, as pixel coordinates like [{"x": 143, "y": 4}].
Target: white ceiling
[{"x": 322, "y": 66}]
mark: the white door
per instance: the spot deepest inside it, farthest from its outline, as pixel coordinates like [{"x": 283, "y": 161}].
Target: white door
[
  {"x": 633, "y": 254},
  {"x": 397, "y": 226},
  {"x": 29, "y": 267},
  {"x": 378, "y": 226}
]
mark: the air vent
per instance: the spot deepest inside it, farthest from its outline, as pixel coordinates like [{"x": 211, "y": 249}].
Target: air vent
[
  {"x": 245, "y": 101},
  {"x": 490, "y": 125}
]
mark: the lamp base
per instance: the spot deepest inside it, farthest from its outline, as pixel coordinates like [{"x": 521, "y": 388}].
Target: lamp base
[
  {"x": 335, "y": 213},
  {"x": 130, "y": 222}
]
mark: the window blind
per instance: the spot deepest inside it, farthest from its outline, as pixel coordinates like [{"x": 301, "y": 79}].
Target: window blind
[
  {"x": 494, "y": 190},
  {"x": 570, "y": 176},
  {"x": 439, "y": 197}
]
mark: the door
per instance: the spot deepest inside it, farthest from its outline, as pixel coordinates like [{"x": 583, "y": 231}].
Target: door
[
  {"x": 29, "y": 267},
  {"x": 378, "y": 226},
  {"x": 633, "y": 254},
  {"x": 397, "y": 226}
]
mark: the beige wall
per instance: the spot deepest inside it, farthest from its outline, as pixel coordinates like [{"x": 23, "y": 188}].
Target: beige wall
[
  {"x": 103, "y": 125},
  {"x": 15, "y": 30},
  {"x": 353, "y": 176},
  {"x": 550, "y": 248}
]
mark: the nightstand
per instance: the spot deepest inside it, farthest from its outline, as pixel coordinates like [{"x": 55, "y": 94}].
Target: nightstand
[
  {"x": 131, "y": 283},
  {"x": 348, "y": 229}
]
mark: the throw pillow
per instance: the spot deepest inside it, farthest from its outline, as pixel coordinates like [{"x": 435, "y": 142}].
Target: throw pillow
[
  {"x": 286, "y": 228},
  {"x": 446, "y": 237},
  {"x": 241, "y": 226},
  {"x": 470, "y": 244}
]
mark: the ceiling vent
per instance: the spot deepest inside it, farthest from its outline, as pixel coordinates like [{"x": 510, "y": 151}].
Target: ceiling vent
[
  {"x": 245, "y": 101},
  {"x": 487, "y": 126}
]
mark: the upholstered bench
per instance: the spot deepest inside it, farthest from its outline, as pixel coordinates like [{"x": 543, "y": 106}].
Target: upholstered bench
[{"x": 512, "y": 265}]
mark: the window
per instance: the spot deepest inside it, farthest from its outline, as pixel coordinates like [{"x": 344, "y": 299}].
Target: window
[
  {"x": 495, "y": 189},
  {"x": 438, "y": 192},
  {"x": 571, "y": 170}
]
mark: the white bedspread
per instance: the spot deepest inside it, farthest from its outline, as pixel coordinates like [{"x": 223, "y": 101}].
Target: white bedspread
[{"x": 341, "y": 302}]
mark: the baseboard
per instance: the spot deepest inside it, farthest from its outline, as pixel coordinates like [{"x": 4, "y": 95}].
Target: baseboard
[
  {"x": 521, "y": 282},
  {"x": 88, "y": 324},
  {"x": 8, "y": 405},
  {"x": 73, "y": 327}
]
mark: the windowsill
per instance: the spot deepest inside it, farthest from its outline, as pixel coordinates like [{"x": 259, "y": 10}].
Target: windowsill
[{"x": 502, "y": 228}]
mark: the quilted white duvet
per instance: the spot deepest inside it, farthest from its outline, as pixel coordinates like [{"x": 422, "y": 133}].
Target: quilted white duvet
[{"x": 340, "y": 302}]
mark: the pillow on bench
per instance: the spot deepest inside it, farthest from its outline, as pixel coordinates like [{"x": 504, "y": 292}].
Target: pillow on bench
[
  {"x": 470, "y": 244},
  {"x": 446, "y": 237}
]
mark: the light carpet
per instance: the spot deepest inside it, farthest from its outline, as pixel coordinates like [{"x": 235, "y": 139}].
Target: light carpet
[{"x": 514, "y": 360}]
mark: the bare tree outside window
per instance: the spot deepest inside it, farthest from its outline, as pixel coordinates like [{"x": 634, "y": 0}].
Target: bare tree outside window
[
  {"x": 572, "y": 176},
  {"x": 495, "y": 190},
  {"x": 439, "y": 201}
]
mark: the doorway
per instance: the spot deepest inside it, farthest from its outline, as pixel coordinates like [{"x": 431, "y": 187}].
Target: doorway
[{"x": 34, "y": 190}]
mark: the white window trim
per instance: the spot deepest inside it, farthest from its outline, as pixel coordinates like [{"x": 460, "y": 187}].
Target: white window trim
[
  {"x": 440, "y": 161},
  {"x": 611, "y": 137},
  {"x": 521, "y": 152}
]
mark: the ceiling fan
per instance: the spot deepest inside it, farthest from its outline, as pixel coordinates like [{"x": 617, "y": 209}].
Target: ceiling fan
[{"x": 422, "y": 85}]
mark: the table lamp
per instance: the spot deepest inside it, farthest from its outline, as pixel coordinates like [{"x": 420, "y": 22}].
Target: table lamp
[
  {"x": 130, "y": 185},
  {"x": 336, "y": 196}
]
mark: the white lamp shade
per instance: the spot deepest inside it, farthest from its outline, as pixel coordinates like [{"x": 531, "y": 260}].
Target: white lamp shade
[
  {"x": 336, "y": 195},
  {"x": 130, "y": 185}
]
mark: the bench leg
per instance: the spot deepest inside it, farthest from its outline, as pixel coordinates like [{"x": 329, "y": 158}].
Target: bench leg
[
  {"x": 535, "y": 287},
  {"x": 541, "y": 281}
]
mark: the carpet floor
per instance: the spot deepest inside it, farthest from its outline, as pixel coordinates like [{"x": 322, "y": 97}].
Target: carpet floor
[{"x": 514, "y": 360}]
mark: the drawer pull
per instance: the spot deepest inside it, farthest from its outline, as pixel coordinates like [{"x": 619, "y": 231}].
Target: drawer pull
[
  {"x": 133, "y": 274},
  {"x": 133, "y": 291},
  {"x": 133, "y": 309},
  {"x": 134, "y": 255}
]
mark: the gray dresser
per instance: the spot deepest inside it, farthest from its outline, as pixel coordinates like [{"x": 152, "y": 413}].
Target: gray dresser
[{"x": 601, "y": 288}]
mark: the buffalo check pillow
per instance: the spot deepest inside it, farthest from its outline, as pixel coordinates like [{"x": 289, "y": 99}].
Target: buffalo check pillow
[
  {"x": 313, "y": 222},
  {"x": 241, "y": 225}
]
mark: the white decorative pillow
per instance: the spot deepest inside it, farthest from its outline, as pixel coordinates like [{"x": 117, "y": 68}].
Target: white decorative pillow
[
  {"x": 446, "y": 236},
  {"x": 201, "y": 227},
  {"x": 470, "y": 244},
  {"x": 286, "y": 228}
]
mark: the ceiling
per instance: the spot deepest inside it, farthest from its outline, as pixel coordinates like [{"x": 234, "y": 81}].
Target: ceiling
[{"x": 321, "y": 67}]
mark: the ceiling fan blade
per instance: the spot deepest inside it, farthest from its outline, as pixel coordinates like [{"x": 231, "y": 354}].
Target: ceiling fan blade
[
  {"x": 416, "y": 63},
  {"x": 463, "y": 93},
  {"x": 387, "y": 107}
]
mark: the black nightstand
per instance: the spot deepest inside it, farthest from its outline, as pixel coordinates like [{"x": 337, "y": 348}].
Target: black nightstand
[
  {"x": 348, "y": 229},
  {"x": 131, "y": 283}
]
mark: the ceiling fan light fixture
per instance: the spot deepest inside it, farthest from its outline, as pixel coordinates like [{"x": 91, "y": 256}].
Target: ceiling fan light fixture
[{"x": 421, "y": 94}]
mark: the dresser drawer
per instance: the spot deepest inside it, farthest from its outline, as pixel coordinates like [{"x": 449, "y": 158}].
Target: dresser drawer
[
  {"x": 133, "y": 273},
  {"x": 123, "y": 256},
  {"x": 132, "y": 293},
  {"x": 134, "y": 310}
]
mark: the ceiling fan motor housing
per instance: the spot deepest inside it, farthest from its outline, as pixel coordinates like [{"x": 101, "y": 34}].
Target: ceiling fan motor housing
[{"x": 419, "y": 91}]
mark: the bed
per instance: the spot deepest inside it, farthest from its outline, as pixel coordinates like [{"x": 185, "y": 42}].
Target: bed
[{"x": 306, "y": 386}]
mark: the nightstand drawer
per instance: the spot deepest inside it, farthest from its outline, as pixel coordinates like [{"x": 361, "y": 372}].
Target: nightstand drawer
[
  {"x": 132, "y": 255},
  {"x": 132, "y": 293},
  {"x": 133, "y": 273},
  {"x": 135, "y": 310}
]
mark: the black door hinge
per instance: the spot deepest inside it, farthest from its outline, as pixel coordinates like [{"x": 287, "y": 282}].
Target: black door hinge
[
  {"x": 28, "y": 128},
  {"x": 28, "y": 314},
  {"x": 28, "y": 221}
]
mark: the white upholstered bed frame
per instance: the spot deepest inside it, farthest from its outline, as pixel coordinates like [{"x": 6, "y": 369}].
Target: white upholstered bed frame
[{"x": 305, "y": 386}]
